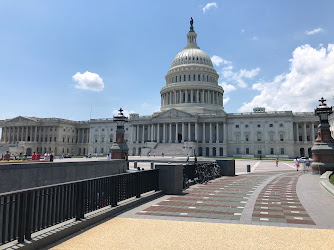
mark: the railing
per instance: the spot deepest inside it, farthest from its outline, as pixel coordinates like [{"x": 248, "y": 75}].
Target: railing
[{"x": 27, "y": 211}]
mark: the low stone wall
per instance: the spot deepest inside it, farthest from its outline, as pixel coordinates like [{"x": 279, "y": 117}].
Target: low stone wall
[{"x": 19, "y": 176}]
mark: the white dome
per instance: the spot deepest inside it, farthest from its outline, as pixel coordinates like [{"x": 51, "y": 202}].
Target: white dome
[{"x": 192, "y": 56}]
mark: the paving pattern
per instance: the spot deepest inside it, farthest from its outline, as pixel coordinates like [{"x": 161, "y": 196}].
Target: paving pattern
[
  {"x": 278, "y": 202},
  {"x": 224, "y": 198}
]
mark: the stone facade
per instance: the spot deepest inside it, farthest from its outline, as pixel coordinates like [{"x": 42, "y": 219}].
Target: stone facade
[{"x": 191, "y": 120}]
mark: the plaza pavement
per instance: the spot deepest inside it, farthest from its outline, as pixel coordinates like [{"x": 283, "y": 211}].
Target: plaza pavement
[{"x": 269, "y": 208}]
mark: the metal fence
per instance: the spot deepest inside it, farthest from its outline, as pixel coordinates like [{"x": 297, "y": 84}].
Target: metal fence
[{"x": 27, "y": 211}]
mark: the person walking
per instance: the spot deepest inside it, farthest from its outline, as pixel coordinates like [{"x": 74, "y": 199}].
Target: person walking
[
  {"x": 51, "y": 156},
  {"x": 297, "y": 163},
  {"x": 276, "y": 162}
]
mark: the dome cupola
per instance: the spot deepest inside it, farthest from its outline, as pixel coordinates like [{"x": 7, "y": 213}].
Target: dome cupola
[{"x": 192, "y": 82}]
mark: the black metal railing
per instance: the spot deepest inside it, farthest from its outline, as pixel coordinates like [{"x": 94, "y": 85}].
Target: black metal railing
[{"x": 27, "y": 211}]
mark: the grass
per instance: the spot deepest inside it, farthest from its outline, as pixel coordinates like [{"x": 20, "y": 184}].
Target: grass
[{"x": 331, "y": 179}]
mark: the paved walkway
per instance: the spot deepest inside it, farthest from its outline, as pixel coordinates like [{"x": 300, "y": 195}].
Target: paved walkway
[{"x": 272, "y": 207}]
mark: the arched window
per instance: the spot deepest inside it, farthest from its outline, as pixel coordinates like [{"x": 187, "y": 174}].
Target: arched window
[
  {"x": 184, "y": 97},
  {"x": 189, "y": 96},
  {"x": 194, "y": 96},
  {"x": 189, "y": 77},
  {"x": 203, "y": 78},
  {"x": 199, "y": 97}
]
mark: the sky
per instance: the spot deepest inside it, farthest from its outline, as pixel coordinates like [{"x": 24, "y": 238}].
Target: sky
[{"x": 85, "y": 59}]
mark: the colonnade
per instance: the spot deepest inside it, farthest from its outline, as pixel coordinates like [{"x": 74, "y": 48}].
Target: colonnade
[
  {"x": 177, "y": 132},
  {"x": 306, "y": 134},
  {"x": 192, "y": 96}
]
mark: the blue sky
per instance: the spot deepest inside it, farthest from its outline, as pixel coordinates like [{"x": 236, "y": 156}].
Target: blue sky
[{"x": 276, "y": 54}]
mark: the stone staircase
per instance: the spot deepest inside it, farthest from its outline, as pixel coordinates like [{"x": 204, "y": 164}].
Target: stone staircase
[{"x": 169, "y": 149}]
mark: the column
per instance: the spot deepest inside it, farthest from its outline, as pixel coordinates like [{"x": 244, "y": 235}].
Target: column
[
  {"x": 35, "y": 134},
  {"x": 297, "y": 131},
  {"x": 196, "y": 132},
  {"x": 197, "y": 96},
  {"x": 182, "y": 132},
  {"x": 137, "y": 134},
  {"x": 170, "y": 97},
  {"x": 217, "y": 133},
  {"x": 176, "y": 133},
  {"x": 210, "y": 132},
  {"x": 4, "y": 134},
  {"x": 164, "y": 133},
  {"x": 204, "y": 137},
  {"x": 312, "y": 138},
  {"x": 225, "y": 132},
  {"x": 26, "y": 133},
  {"x": 189, "y": 131},
  {"x": 305, "y": 135},
  {"x": 170, "y": 132},
  {"x": 152, "y": 132},
  {"x": 158, "y": 133},
  {"x": 143, "y": 135},
  {"x": 22, "y": 130},
  {"x": 186, "y": 92},
  {"x": 203, "y": 96},
  {"x": 191, "y": 96}
]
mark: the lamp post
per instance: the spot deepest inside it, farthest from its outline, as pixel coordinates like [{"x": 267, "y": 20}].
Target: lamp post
[{"x": 119, "y": 149}]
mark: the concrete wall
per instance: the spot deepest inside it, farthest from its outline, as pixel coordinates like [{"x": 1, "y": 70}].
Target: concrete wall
[{"x": 29, "y": 175}]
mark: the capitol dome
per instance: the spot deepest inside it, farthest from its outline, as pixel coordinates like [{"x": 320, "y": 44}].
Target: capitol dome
[{"x": 192, "y": 81}]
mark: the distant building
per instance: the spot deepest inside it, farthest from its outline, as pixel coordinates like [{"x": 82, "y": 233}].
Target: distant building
[{"x": 191, "y": 121}]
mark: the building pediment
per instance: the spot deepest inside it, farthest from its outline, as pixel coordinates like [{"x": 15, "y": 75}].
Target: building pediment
[
  {"x": 21, "y": 119},
  {"x": 173, "y": 113}
]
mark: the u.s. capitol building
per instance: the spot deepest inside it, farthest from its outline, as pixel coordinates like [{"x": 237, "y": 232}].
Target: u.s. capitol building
[{"x": 191, "y": 121}]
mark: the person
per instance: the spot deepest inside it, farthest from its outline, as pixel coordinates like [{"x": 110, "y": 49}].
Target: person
[
  {"x": 297, "y": 163},
  {"x": 7, "y": 156},
  {"x": 25, "y": 156},
  {"x": 38, "y": 156},
  {"x": 33, "y": 156},
  {"x": 187, "y": 159},
  {"x": 95, "y": 155},
  {"x": 20, "y": 157},
  {"x": 143, "y": 169},
  {"x": 276, "y": 162},
  {"x": 46, "y": 156},
  {"x": 138, "y": 168},
  {"x": 163, "y": 154},
  {"x": 195, "y": 159},
  {"x": 51, "y": 156},
  {"x": 308, "y": 163},
  {"x": 108, "y": 157}
]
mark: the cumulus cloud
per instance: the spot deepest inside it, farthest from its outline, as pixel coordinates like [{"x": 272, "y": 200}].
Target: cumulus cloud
[
  {"x": 225, "y": 100},
  {"x": 238, "y": 77},
  {"x": 311, "y": 76},
  {"x": 88, "y": 81},
  {"x": 209, "y": 6},
  {"x": 227, "y": 87},
  {"x": 313, "y": 32},
  {"x": 216, "y": 60}
]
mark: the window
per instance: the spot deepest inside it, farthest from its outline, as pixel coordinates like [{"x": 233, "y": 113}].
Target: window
[
  {"x": 259, "y": 136},
  {"x": 281, "y": 125},
  {"x": 271, "y": 125},
  {"x": 198, "y": 77},
  {"x": 68, "y": 140},
  {"x": 63, "y": 139},
  {"x": 237, "y": 126},
  {"x": 281, "y": 138},
  {"x": 258, "y": 125},
  {"x": 194, "y": 78},
  {"x": 110, "y": 138},
  {"x": 72, "y": 140},
  {"x": 95, "y": 151},
  {"x": 238, "y": 151},
  {"x": 102, "y": 139},
  {"x": 184, "y": 78},
  {"x": 189, "y": 78},
  {"x": 101, "y": 150},
  {"x": 246, "y": 126},
  {"x": 103, "y": 129},
  {"x": 271, "y": 151},
  {"x": 55, "y": 139},
  {"x": 282, "y": 151},
  {"x": 175, "y": 78},
  {"x": 237, "y": 137},
  {"x": 247, "y": 137},
  {"x": 50, "y": 139},
  {"x": 111, "y": 129},
  {"x": 247, "y": 151},
  {"x": 271, "y": 137},
  {"x": 95, "y": 140}
]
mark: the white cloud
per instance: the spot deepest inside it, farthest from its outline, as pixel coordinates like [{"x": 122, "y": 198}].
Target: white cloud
[
  {"x": 313, "y": 32},
  {"x": 209, "y": 6},
  {"x": 225, "y": 100},
  {"x": 311, "y": 76},
  {"x": 216, "y": 60},
  {"x": 227, "y": 87},
  {"x": 254, "y": 38},
  {"x": 242, "y": 31},
  {"x": 88, "y": 81},
  {"x": 238, "y": 77}
]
